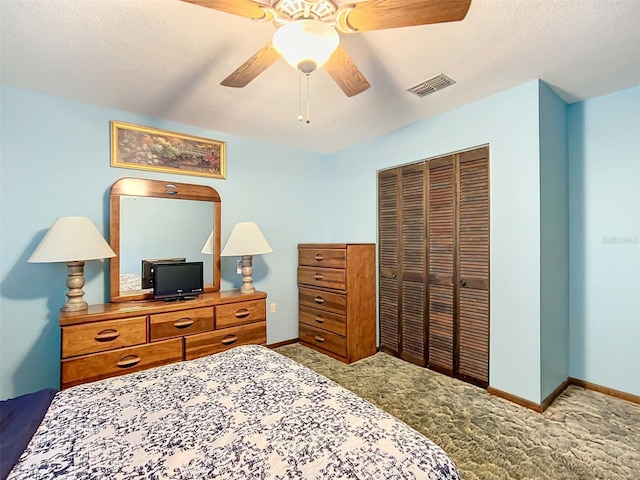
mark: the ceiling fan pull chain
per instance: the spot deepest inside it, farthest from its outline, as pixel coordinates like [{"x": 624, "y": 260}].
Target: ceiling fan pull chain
[
  {"x": 300, "y": 117},
  {"x": 308, "y": 120}
]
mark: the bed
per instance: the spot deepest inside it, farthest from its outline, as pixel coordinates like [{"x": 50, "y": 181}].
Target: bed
[
  {"x": 130, "y": 282},
  {"x": 245, "y": 413}
]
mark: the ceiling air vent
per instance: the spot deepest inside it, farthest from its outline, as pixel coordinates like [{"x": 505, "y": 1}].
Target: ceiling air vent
[{"x": 431, "y": 85}]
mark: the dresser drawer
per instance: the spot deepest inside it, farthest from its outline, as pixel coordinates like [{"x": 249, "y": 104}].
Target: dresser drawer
[
  {"x": 183, "y": 322},
  {"x": 322, "y": 277},
  {"x": 118, "y": 362},
  {"x": 240, "y": 313},
  {"x": 213, "y": 342},
  {"x": 324, "y": 320},
  {"x": 323, "y": 339},
  {"x": 102, "y": 336},
  {"x": 332, "y": 302},
  {"x": 323, "y": 257}
]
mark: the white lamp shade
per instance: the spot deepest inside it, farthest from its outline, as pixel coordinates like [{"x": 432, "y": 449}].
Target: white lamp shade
[
  {"x": 246, "y": 239},
  {"x": 208, "y": 246},
  {"x": 302, "y": 41},
  {"x": 72, "y": 239}
]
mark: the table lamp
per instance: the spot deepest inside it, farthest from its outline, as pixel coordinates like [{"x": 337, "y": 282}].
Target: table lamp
[
  {"x": 246, "y": 240},
  {"x": 72, "y": 240},
  {"x": 208, "y": 246}
]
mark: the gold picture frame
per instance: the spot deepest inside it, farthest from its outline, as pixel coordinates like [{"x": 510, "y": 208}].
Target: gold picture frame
[{"x": 145, "y": 148}]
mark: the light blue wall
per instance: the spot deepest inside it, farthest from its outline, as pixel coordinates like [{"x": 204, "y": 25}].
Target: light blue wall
[
  {"x": 508, "y": 122},
  {"x": 55, "y": 162},
  {"x": 604, "y": 186},
  {"x": 554, "y": 242}
]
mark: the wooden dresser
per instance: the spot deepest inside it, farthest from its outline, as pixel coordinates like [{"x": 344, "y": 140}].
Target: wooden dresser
[
  {"x": 337, "y": 299},
  {"x": 116, "y": 338}
]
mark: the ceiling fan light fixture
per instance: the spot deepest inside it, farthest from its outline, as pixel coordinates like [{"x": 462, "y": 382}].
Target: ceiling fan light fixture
[{"x": 306, "y": 44}]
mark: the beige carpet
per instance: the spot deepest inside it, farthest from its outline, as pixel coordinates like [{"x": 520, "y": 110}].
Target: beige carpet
[{"x": 583, "y": 435}]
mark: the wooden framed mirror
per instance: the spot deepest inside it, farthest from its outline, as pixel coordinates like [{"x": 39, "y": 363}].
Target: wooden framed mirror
[{"x": 152, "y": 219}]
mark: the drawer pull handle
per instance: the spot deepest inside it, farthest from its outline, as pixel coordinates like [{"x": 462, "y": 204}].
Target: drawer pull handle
[
  {"x": 319, "y": 257},
  {"x": 229, "y": 339},
  {"x": 319, "y": 338},
  {"x": 107, "y": 335},
  {"x": 319, "y": 299},
  {"x": 128, "y": 361},
  {"x": 319, "y": 319},
  {"x": 183, "y": 323},
  {"x": 318, "y": 276},
  {"x": 242, "y": 313}
]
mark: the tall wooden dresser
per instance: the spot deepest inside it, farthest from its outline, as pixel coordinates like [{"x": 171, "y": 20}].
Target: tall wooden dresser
[
  {"x": 117, "y": 338},
  {"x": 337, "y": 299}
]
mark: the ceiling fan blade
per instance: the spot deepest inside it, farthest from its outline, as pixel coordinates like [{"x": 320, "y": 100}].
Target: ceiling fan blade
[
  {"x": 381, "y": 14},
  {"x": 253, "y": 67},
  {"x": 244, "y": 8},
  {"x": 345, "y": 73}
]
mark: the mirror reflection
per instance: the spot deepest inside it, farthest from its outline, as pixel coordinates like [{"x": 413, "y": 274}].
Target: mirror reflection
[{"x": 162, "y": 228}]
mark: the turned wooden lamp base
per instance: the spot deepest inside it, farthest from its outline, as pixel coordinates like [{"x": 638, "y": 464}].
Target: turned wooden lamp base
[
  {"x": 75, "y": 282},
  {"x": 247, "y": 271}
]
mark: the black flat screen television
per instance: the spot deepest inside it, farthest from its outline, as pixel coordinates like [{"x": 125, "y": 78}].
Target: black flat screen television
[{"x": 177, "y": 280}]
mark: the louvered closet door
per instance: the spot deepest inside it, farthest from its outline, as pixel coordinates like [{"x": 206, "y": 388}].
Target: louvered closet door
[
  {"x": 441, "y": 223},
  {"x": 434, "y": 264},
  {"x": 473, "y": 266},
  {"x": 413, "y": 265},
  {"x": 402, "y": 262},
  {"x": 388, "y": 259}
]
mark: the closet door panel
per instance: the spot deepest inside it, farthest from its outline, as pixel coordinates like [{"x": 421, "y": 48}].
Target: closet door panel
[
  {"x": 388, "y": 258},
  {"x": 473, "y": 266},
  {"x": 441, "y": 250},
  {"x": 413, "y": 265}
]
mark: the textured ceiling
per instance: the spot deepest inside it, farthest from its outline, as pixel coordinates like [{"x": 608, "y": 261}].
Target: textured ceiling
[{"x": 166, "y": 58}]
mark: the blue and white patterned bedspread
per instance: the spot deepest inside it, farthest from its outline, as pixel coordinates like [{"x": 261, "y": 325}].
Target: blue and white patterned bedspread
[{"x": 245, "y": 413}]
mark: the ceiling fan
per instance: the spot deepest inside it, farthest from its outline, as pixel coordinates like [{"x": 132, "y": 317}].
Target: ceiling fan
[{"x": 307, "y": 32}]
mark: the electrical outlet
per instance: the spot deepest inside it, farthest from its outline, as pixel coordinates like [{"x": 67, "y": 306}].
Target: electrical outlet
[
  {"x": 239, "y": 267},
  {"x": 273, "y": 308}
]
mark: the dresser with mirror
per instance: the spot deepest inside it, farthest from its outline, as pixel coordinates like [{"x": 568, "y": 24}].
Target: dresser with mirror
[{"x": 135, "y": 332}]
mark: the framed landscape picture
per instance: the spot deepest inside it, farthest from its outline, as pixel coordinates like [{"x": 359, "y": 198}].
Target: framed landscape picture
[{"x": 145, "y": 148}]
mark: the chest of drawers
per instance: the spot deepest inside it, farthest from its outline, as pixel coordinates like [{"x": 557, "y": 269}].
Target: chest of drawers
[
  {"x": 117, "y": 338},
  {"x": 337, "y": 299}
]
